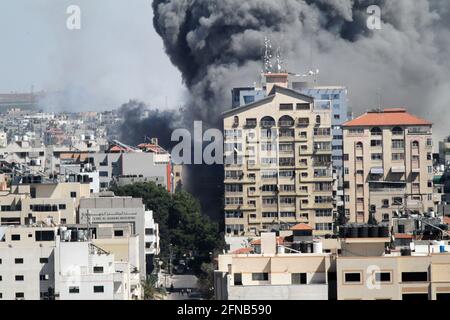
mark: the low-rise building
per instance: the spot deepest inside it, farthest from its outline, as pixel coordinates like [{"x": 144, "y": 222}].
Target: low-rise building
[
  {"x": 109, "y": 209},
  {"x": 69, "y": 263}
]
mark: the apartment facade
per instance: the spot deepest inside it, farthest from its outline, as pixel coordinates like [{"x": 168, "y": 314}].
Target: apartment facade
[
  {"x": 118, "y": 210},
  {"x": 26, "y": 263},
  {"x": 348, "y": 269},
  {"x": 278, "y": 168},
  {"x": 46, "y": 263},
  {"x": 388, "y": 166},
  {"x": 48, "y": 202},
  {"x": 270, "y": 275},
  {"x": 333, "y": 98},
  {"x": 416, "y": 277}
]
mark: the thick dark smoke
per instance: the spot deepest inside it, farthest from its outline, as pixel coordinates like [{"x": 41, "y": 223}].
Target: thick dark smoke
[
  {"x": 141, "y": 122},
  {"x": 216, "y": 44}
]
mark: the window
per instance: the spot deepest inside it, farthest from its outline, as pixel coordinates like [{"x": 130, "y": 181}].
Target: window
[
  {"x": 238, "y": 279},
  {"x": 397, "y": 131},
  {"x": 376, "y": 143},
  {"x": 377, "y": 156},
  {"x": 118, "y": 233},
  {"x": 324, "y": 213},
  {"x": 383, "y": 277},
  {"x": 20, "y": 295},
  {"x": 285, "y": 174},
  {"x": 287, "y": 214},
  {"x": 46, "y": 235},
  {"x": 270, "y": 214},
  {"x": 62, "y": 206},
  {"x": 324, "y": 226},
  {"x": 398, "y": 156},
  {"x": 398, "y": 144},
  {"x": 317, "y": 119},
  {"x": 98, "y": 269},
  {"x": 385, "y": 203},
  {"x": 376, "y": 131},
  {"x": 73, "y": 194},
  {"x": 298, "y": 278},
  {"x": 74, "y": 289},
  {"x": 15, "y": 237},
  {"x": 43, "y": 260},
  {"x": 234, "y": 214},
  {"x": 19, "y": 278},
  {"x": 43, "y": 277},
  {"x": 18, "y": 261},
  {"x": 414, "y": 276},
  {"x": 286, "y": 106},
  {"x": 260, "y": 276},
  {"x": 302, "y": 106},
  {"x": 99, "y": 289},
  {"x": 352, "y": 277},
  {"x": 336, "y": 116}
]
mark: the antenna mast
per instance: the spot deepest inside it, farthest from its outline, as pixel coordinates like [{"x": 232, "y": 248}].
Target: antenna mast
[
  {"x": 267, "y": 59},
  {"x": 279, "y": 61}
]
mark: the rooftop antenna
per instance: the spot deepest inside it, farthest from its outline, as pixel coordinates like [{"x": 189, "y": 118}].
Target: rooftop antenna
[
  {"x": 279, "y": 61},
  {"x": 267, "y": 59},
  {"x": 378, "y": 98}
]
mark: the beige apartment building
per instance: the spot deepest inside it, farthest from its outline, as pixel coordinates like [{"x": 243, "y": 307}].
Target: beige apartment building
[
  {"x": 278, "y": 169},
  {"x": 356, "y": 269},
  {"x": 271, "y": 275},
  {"x": 424, "y": 277},
  {"x": 388, "y": 165},
  {"x": 47, "y": 202}
]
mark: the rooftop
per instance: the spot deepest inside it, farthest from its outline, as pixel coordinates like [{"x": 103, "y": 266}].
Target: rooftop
[
  {"x": 387, "y": 117},
  {"x": 301, "y": 226}
]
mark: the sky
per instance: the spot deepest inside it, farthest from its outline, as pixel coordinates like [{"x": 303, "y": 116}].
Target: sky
[{"x": 114, "y": 57}]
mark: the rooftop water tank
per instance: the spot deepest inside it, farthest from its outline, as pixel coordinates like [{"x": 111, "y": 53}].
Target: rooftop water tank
[{"x": 317, "y": 247}]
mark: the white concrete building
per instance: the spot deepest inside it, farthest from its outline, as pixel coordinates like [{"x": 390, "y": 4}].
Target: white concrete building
[
  {"x": 112, "y": 210},
  {"x": 26, "y": 263},
  {"x": 84, "y": 271}
]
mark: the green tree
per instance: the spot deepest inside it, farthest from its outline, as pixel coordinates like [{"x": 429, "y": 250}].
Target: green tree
[{"x": 180, "y": 223}]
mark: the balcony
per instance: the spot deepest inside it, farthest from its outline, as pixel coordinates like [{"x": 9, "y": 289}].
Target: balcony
[
  {"x": 321, "y": 163},
  {"x": 267, "y": 124},
  {"x": 251, "y": 123},
  {"x": 286, "y": 123},
  {"x": 303, "y": 122}
]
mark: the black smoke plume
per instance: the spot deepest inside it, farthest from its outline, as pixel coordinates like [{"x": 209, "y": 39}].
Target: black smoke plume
[
  {"x": 141, "y": 122},
  {"x": 216, "y": 44}
]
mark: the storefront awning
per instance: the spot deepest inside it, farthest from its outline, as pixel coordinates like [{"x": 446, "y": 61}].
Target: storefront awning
[
  {"x": 398, "y": 169},
  {"x": 377, "y": 170}
]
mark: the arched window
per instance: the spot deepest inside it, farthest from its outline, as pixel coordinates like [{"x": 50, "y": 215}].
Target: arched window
[
  {"x": 415, "y": 144},
  {"x": 236, "y": 121},
  {"x": 267, "y": 122},
  {"x": 317, "y": 119},
  {"x": 286, "y": 121},
  {"x": 397, "y": 131},
  {"x": 359, "y": 145},
  {"x": 376, "y": 131}
]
